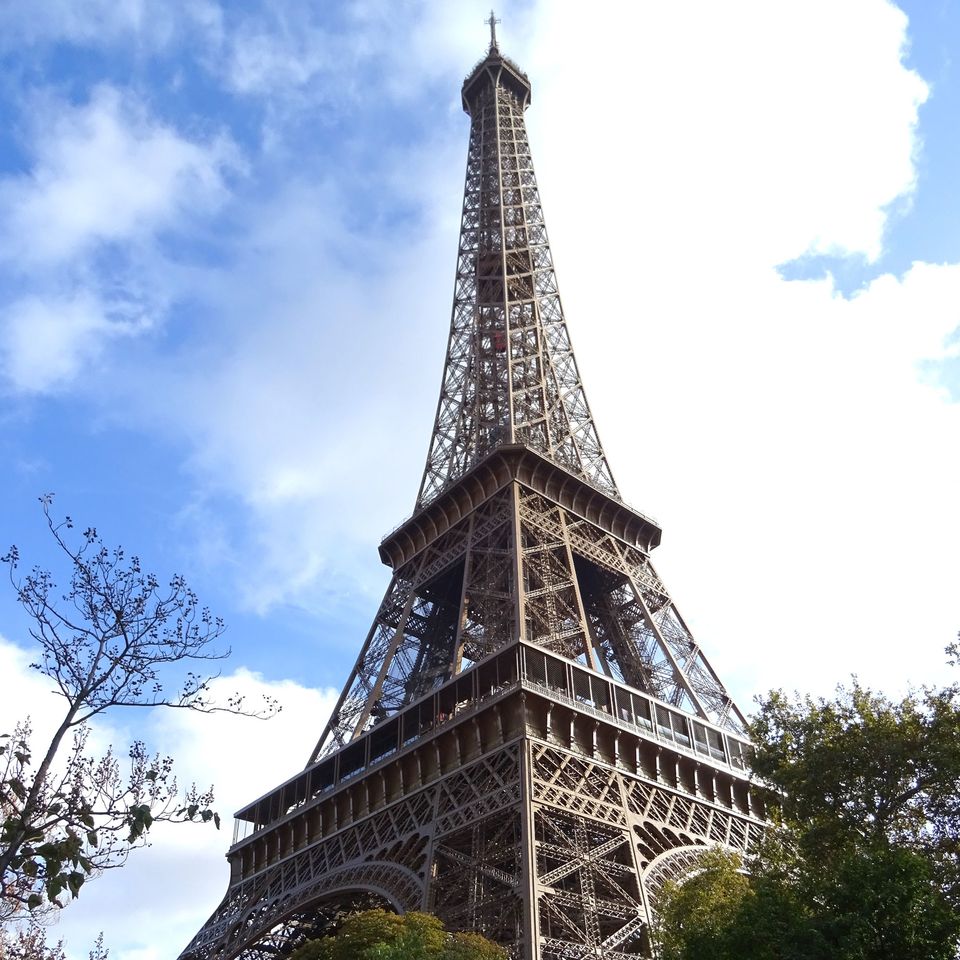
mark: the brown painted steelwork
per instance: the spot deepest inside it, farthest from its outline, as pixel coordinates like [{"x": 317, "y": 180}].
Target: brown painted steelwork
[
  {"x": 515, "y": 462},
  {"x": 531, "y": 742}
]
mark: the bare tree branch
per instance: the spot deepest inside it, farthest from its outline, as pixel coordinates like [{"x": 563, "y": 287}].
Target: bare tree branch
[{"x": 115, "y": 637}]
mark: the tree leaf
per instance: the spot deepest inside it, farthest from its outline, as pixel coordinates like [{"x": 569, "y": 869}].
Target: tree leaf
[{"x": 75, "y": 882}]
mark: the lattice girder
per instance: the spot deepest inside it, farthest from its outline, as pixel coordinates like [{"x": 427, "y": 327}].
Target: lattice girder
[
  {"x": 519, "y": 816},
  {"x": 531, "y": 742},
  {"x": 523, "y": 567},
  {"x": 510, "y": 375}
]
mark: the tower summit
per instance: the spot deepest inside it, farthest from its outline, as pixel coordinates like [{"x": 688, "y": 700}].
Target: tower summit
[
  {"x": 493, "y": 21},
  {"x": 531, "y": 741},
  {"x": 510, "y": 375}
]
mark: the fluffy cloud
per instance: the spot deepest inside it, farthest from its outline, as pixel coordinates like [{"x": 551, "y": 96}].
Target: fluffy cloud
[
  {"x": 749, "y": 133},
  {"x": 105, "y": 172},
  {"x": 770, "y": 137},
  {"x": 81, "y": 230},
  {"x": 26, "y": 694},
  {"x": 265, "y": 59},
  {"x": 290, "y": 422},
  {"x": 149, "y": 24},
  {"x": 804, "y": 478},
  {"x": 798, "y": 142},
  {"x": 46, "y": 342},
  {"x": 363, "y": 50},
  {"x": 792, "y": 441}
]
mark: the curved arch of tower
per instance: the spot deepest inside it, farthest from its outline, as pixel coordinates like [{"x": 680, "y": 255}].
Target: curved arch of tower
[{"x": 531, "y": 741}]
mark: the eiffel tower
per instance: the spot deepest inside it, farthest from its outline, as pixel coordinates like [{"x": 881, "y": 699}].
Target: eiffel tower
[{"x": 531, "y": 742}]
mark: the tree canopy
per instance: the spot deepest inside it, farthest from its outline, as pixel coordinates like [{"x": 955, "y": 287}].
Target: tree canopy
[
  {"x": 861, "y": 862},
  {"x": 381, "y": 935}
]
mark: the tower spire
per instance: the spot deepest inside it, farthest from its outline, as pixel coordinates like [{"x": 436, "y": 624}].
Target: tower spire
[
  {"x": 493, "y": 21},
  {"x": 510, "y": 375}
]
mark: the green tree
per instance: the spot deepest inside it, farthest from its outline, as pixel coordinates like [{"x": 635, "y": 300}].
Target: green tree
[
  {"x": 381, "y": 935},
  {"x": 722, "y": 913},
  {"x": 698, "y": 911},
  {"x": 471, "y": 946},
  {"x": 112, "y": 636},
  {"x": 862, "y": 859}
]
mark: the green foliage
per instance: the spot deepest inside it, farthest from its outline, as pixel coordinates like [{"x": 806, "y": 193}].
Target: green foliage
[
  {"x": 699, "y": 909},
  {"x": 720, "y": 913},
  {"x": 471, "y": 946},
  {"x": 112, "y": 636},
  {"x": 381, "y": 935},
  {"x": 862, "y": 863},
  {"x": 862, "y": 769}
]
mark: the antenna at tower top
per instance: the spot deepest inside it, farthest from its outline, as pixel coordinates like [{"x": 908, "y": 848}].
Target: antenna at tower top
[{"x": 493, "y": 21}]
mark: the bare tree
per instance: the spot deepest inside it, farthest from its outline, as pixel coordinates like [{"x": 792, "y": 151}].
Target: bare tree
[
  {"x": 29, "y": 942},
  {"x": 114, "y": 637}
]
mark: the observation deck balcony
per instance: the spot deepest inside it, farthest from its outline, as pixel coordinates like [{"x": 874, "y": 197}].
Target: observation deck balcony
[
  {"x": 503, "y": 465},
  {"x": 592, "y": 714}
]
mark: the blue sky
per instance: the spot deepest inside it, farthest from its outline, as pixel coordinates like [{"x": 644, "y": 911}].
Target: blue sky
[{"x": 227, "y": 241}]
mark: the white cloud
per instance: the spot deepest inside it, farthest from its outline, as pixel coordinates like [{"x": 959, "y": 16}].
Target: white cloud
[
  {"x": 153, "y": 905},
  {"x": 776, "y": 132},
  {"x": 376, "y": 50},
  {"x": 85, "y": 21},
  {"x": 45, "y": 343},
  {"x": 285, "y": 421},
  {"x": 104, "y": 23},
  {"x": 768, "y": 138},
  {"x": 752, "y": 132},
  {"x": 784, "y": 435},
  {"x": 803, "y": 475},
  {"x": 105, "y": 172},
  {"x": 26, "y": 694},
  {"x": 80, "y": 230},
  {"x": 266, "y": 58}
]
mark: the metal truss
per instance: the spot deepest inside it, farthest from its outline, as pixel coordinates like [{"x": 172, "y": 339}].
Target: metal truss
[
  {"x": 522, "y": 567},
  {"x": 517, "y": 819},
  {"x": 531, "y": 743},
  {"x": 510, "y": 374}
]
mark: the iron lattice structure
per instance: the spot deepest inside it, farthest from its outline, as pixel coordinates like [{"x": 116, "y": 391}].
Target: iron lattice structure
[{"x": 531, "y": 742}]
